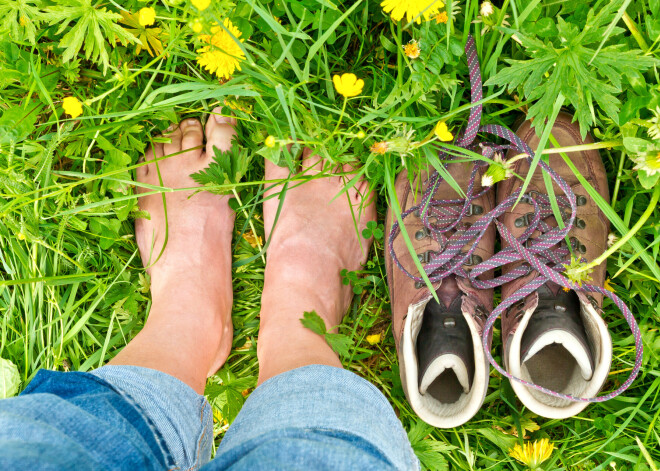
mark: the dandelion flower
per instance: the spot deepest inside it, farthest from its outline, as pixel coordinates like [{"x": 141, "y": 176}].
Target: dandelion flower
[
  {"x": 575, "y": 271},
  {"x": 533, "y": 454},
  {"x": 223, "y": 54},
  {"x": 373, "y": 339},
  {"x": 380, "y": 147},
  {"x": 486, "y": 9},
  {"x": 441, "y": 17},
  {"x": 147, "y": 16},
  {"x": 412, "y": 49},
  {"x": 72, "y": 106},
  {"x": 201, "y": 4},
  {"x": 348, "y": 85},
  {"x": 270, "y": 141},
  {"x": 442, "y": 131},
  {"x": 647, "y": 161},
  {"x": 413, "y": 10},
  {"x": 253, "y": 239},
  {"x": 487, "y": 180}
]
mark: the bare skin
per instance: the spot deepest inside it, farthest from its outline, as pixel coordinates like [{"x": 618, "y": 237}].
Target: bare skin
[
  {"x": 314, "y": 239},
  {"x": 189, "y": 333}
]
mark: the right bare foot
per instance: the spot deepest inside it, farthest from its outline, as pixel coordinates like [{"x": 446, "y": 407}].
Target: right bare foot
[{"x": 317, "y": 234}]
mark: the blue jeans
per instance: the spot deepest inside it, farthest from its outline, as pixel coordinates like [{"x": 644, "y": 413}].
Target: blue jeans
[{"x": 131, "y": 418}]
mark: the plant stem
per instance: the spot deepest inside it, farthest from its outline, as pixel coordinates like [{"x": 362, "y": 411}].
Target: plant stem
[
  {"x": 652, "y": 204},
  {"x": 247, "y": 216},
  {"x": 632, "y": 27},
  {"x": 341, "y": 115}
]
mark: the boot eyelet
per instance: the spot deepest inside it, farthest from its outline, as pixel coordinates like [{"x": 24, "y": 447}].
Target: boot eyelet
[
  {"x": 421, "y": 234},
  {"x": 417, "y": 214},
  {"x": 581, "y": 200},
  {"x": 580, "y": 223},
  {"x": 520, "y": 222},
  {"x": 582, "y": 248},
  {"x": 419, "y": 284},
  {"x": 474, "y": 209}
]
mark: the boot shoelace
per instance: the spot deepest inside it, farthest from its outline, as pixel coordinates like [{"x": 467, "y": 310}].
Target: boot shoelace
[{"x": 546, "y": 253}]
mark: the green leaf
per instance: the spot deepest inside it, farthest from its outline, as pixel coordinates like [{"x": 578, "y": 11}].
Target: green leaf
[
  {"x": 95, "y": 27},
  {"x": 21, "y": 18},
  {"x": 566, "y": 64},
  {"x": 340, "y": 343},
  {"x": 313, "y": 322},
  {"x": 227, "y": 168},
  {"x": 10, "y": 380}
]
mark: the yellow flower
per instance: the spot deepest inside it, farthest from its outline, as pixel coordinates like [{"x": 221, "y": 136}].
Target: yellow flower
[
  {"x": 348, "y": 84},
  {"x": 270, "y": 141},
  {"x": 413, "y": 10},
  {"x": 608, "y": 285},
  {"x": 412, "y": 49},
  {"x": 442, "y": 131},
  {"x": 201, "y": 4},
  {"x": 197, "y": 25},
  {"x": 360, "y": 135},
  {"x": 533, "y": 454},
  {"x": 223, "y": 55},
  {"x": 373, "y": 339},
  {"x": 647, "y": 161},
  {"x": 380, "y": 147},
  {"x": 72, "y": 106},
  {"x": 147, "y": 16},
  {"x": 253, "y": 239},
  {"x": 442, "y": 17}
]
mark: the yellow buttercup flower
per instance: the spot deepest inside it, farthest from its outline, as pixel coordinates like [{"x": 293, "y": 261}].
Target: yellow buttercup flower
[
  {"x": 442, "y": 131},
  {"x": 348, "y": 84},
  {"x": 373, "y": 339},
  {"x": 412, "y": 49},
  {"x": 72, "y": 106},
  {"x": 413, "y": 10},
  {"x": 270, "y": 141},
  {"x": 533, "y": 454},
  {"x": 201, "y": 4},
  {"x": 147, "y": 16},
  {"x": 197, "y": 25},
  {"x": 223, "y": 54}
]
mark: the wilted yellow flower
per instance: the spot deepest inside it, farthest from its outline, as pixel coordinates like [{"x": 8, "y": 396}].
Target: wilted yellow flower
[
  {"x": 201, "y": 4},
  {"x": 647, "y": 161},
  {"x": 380, "y": 147},
  {"x": 612, "y": 239},
  {"x": 223, "y": 55},
  {"x": 72, "y": 106},
  {"x": 413, "y": 10},
  {"x": 442, "y": 131},
  {"x": 348, "y": 84},
  {"x": 252, "y": 239},
  {"x": 373, "y": 339},
  {"x": 608, "y": 285},
  {"x": 533, "y": 454},
  {"x": 23, "y": 21},
  {"x": 441, "y": 17},
  {"x": 147, "y": 16},
  {"x": 412, "y": 49},
  {"x": 270, "y": 141},
  {"x": 486, "y": 8}
]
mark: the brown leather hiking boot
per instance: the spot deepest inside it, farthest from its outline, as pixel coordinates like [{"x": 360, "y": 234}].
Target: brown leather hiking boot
[
  {"x": 553, "y": 337},
  {"x": 443, "y": 368}
]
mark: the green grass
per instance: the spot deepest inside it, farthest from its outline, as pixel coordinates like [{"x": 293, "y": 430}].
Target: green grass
[{"x": 72, "y": 288}]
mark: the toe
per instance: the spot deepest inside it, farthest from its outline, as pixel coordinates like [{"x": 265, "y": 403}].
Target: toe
[
  {"x": 192, "y": 139},
  {"x": 311, "y": 163},
  {"x": 220, "y": 130},
  {"x": 154, "y": 150},
  {"x": 173, "y": 133}
]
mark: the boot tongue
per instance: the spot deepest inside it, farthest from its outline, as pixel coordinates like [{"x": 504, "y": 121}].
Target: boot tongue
[
  {"x": 442, "y": 363},
  {"x": 557, "y": 320}
]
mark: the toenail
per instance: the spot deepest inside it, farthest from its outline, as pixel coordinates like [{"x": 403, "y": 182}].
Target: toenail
[
  {"x": 219, "y": 118},
  {"x": 171, "y": 127},
  {"x": 192, "y": 122}
]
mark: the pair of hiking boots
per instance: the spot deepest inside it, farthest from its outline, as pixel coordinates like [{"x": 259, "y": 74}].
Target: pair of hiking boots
[{"x": 552, "y": 336}]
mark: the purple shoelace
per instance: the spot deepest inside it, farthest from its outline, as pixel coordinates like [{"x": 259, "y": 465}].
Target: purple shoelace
[{"x": 546, "y": 253}]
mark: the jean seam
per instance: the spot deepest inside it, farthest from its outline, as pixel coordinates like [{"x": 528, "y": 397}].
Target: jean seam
[{"x": 201, "y": 438}]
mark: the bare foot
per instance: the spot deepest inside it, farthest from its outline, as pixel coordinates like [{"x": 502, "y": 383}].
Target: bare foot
[
  {"x": 191, "y": 282},
  {"x": 316, "y": 235}
]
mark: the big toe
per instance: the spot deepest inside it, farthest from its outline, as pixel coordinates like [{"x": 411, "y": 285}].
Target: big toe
[{"x": 220, "y": 130}]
